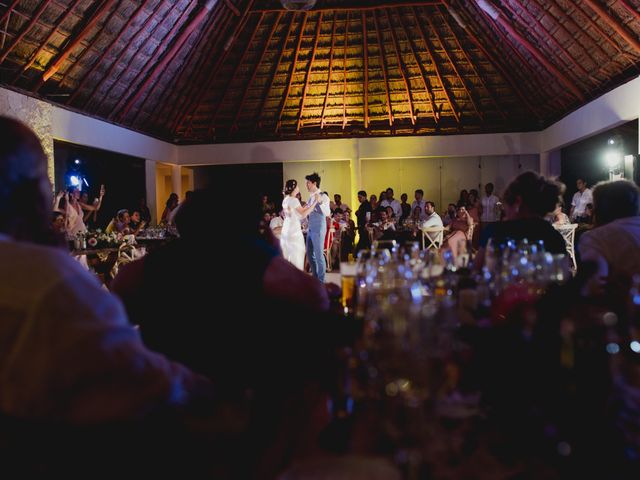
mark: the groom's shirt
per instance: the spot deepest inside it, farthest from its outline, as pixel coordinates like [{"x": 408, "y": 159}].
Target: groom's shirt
[{"x": 324, "y": 204}]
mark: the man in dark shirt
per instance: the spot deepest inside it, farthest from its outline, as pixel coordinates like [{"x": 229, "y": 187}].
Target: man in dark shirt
[{"x": 361, "y": 214}]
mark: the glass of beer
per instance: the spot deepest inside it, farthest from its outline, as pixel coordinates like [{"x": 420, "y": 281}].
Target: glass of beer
[{"x": 348, "y": 276}]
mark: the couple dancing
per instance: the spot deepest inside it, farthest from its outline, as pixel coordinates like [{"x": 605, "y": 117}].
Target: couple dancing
[{"x": 291, "y": 239}]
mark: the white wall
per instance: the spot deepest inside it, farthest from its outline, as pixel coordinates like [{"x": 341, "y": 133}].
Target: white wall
[{"x": 335, "y": 177}]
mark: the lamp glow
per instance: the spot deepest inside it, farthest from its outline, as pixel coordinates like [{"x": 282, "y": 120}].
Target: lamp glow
[{"x": 613, "y": 159}]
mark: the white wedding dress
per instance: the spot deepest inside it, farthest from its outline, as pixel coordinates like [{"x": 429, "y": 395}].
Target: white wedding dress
[{"x": 291, "y": 238}]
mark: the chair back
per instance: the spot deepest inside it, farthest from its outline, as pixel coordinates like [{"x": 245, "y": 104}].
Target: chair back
[
  {"x": 432, "y": 237},
  {"x": 568, "y": 232}
]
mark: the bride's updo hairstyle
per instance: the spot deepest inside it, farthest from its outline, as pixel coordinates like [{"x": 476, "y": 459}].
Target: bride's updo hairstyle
[
  {"x": 290, "y": 186},
  {"x": 538, "y": 195}
]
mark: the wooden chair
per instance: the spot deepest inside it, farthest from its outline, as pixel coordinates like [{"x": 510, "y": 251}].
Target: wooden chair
[
  {"x": 434, "y": 236},
  {"x": 568, "y": 232}
]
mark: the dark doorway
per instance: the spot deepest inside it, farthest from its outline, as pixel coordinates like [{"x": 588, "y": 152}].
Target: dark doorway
[
  {"x": 255, "y": 179},
  {"x": 123, "y": 176},
  {"x": 587, "y": 159}
]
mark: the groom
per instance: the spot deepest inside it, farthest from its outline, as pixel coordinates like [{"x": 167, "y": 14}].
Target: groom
[{"x": 317, "y": 225}]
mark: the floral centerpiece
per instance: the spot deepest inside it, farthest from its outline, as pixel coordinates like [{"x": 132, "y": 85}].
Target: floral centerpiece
[{"x": 99, "y": 239}]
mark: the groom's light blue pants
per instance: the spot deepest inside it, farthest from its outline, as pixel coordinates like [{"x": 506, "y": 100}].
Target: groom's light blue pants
[{"x": 315, "y": 245}]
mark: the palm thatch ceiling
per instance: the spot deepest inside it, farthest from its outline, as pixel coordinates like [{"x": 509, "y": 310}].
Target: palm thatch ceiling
[{"x": 206, "y": 71}]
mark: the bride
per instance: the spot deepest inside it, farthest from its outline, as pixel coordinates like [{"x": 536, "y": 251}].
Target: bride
[{"x": 291, "y": 239}]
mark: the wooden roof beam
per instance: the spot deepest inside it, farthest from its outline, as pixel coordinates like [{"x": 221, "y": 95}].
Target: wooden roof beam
[
  {"x": 499, "y": 18},
  {"x": 234, "y": 124},
  {"x": 396, "y": 48},
  {"x": 496, "y": 64},
  {"x": 193, "y": 106},
  {"x": 308, "y": 75},
  {"x": 160, "y": 67},
  {"x": 360, "y": 8},
  {"x": 344, "y": 75},
  {"x": 540, "y": 28},
  {"x": 185, "y": 98},
  {"x": 104, "y": 8},
  {"x": 383, "y": 68},
  {"x": 614, "y": 24},
  {"x": 423, "y": 75},
  {"x": 195, "y": 52},
  {"x": 26, "y": 29},
  {"x": 431, "y": 53},
  {"x": 365, "y": 48},
  {"x": 142, "y": 30},
  {"x": 305, "y": 16},
  {"x": 34, "y": 55},
  {"x": 150, "y": 62},
  {"x": 632, "y": 10},
  {"x": 471, "y": 64},
  {"x": 455, "y": 69},
  {"x": 326, "y": 95},
  {"x": 10, "y": 8},
  {"x": 116, "y": 61},
  {"x": 236, "y": 70}
]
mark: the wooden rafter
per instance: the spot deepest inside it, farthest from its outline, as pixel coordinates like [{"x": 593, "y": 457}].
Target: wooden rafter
[
  {"x": 471, "y": 64},
  {"x": 453, "y": 66},
  {"x": 89, "y": 49},
  {"x": 305, "y": 16},
  {"x": 359, "y": 8},
  {"x": 614, "y": 24},
  {"x": 26, "y": 29},
  {"x": 116, "y": 78},
  {"x": 116, "y": 61},
  {"x": 561, "y": 26},
  {"x": 633, "y": 11},
  {"x": 423, "y": 74},
  {"x": 601, "y": 33},
  {"x": 396, "y": 48},
  {"x": 193, "y": 107},
  {"x": 185, "y": 99},
  {"x": 326, "y": 95},
  {"x": 216, "y": 110},
  {"x": 542, "y": 31},
  {"x": 8, "y": 11},
  {"x": 432, "y": 56},
  {"x": 383, "y": 67},
  {"x": 196, "y": 51},
  {"x": 533, "y": 50},
  {"x": 34, "y": 55},
  {"x": 151, "y": 63},
  {"x": 159, "y": 67},
  {"x": 497, "y": 65},
  {"x": 308, "y": 74},
  {"x": 104, "y": 8},
  {"x": 522, "y": 73},
  {"x": 344, "y": 72},
  {"x": 234, "y": 124},
  {"x": 365, "y": 48}
]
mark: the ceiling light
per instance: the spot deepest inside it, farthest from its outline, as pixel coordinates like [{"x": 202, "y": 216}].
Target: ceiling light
[{"x": 298, "y": 4}]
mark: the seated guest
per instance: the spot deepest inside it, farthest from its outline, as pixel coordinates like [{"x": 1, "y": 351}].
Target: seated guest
[
  {"x": 450, "y": 215},
  {"x": 527, "y": 199},
  {"x": 276, "y": 224},
  {"x": 136, "y": 224},
  {"x": 558, "y": 218},
  {"x": 614, "y": 242},
  {"x": 337, "y": 203},
  {"x": 120, "y": 224},
  {"x": 69, "y": 357},
  {"x": 431, "y": 217},
  {"x": 458, "y": 231},
  {"x": 405, "y": 207}
]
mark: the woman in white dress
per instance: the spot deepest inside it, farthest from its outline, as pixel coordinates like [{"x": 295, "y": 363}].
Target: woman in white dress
[{"x": 291, "y": 238}]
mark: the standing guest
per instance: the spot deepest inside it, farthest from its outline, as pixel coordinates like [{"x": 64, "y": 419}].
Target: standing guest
[
  {"x": 450, "y": 215},
  {"x": 362, "y": 216},
  {"x": 170, "y": 205},
  {"x": 319, "y": 211},
  {"x": 419, "y": 202},
  {"x": 145, "y": 213},
  {"x": 405, "y": 207},
  {"x": 463, "y": 200},
  {"x": 614, "y": 243},
  {"x": 267, "y": 205},
  {"x": 489, "y": 208},
  {"x": 473, "y": 208},
  {"x": 75, "y": 210},
  {"x": 70, "y": 358},
  {"x": 373, "y": 202},
  {"x": 579, "y": 201},
  {"x": 389, "y": 201},
  {"x": 527, "y": 199},
  {"x": 337, "y": 203}
]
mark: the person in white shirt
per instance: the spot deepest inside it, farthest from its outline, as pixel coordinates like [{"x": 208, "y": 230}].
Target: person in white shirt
[
  {"x": 389, "y": 201},
  {"x": 276, "y": 224},
  {"x": 614, "y": 243},
  {"x": 432, "y": 218},
  {"x": 337, "y": 203},
  {"x": 580, "y": 200},
  {"x": 319, "y": 205},
  {"x": 70, "y": 357},
  {"x": 489, "y": 211},
  {"x": 419, "y": 202}
]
